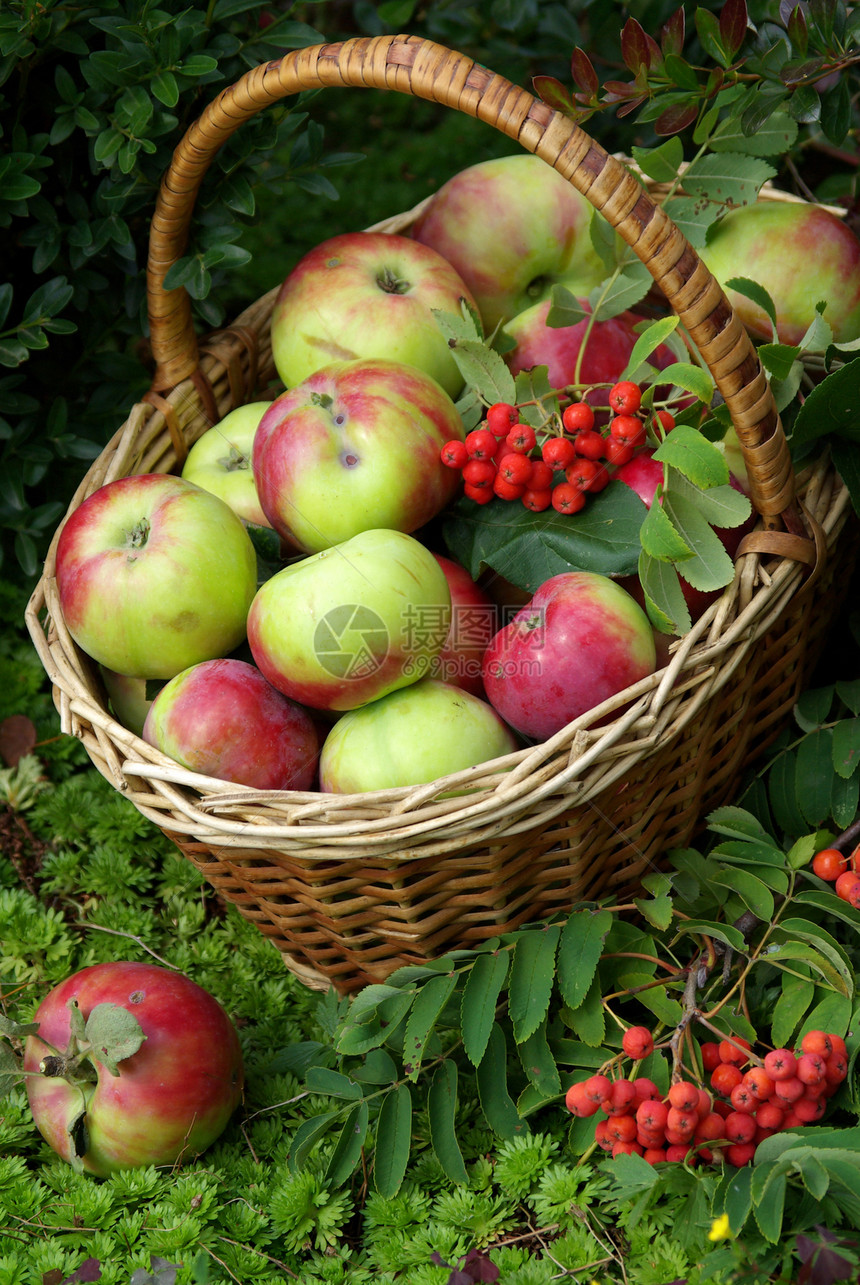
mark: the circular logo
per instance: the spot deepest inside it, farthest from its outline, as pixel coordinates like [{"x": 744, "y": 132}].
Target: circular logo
[{"x": 351, "y": 641}]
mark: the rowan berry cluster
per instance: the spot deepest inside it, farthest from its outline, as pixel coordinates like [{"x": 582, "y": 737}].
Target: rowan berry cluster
[
  {"x": 504, "y": 457},
  {"x": 744, "y": 1105},
  {"x": 843, "y": 872}
]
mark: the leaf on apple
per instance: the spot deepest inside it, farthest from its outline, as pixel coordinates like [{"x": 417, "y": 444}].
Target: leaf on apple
[
  {"x": 482, "y": 368},
  {"x": 621, "y": 291},
  {"x": 564, "y": 308},
  {"x": 694, "y": 456},
  {"x": 527, "y": 548},
  {"x": 114, "y": 1034},
  {"x": 709, "y": 567}
]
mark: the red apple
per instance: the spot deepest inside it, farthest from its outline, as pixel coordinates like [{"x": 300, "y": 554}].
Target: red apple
[
  {"x": 474, "y": 621},
  {"x": 352, "y": 623},
  {"x": 354, "y": 447},
  {"x": 155, "y": 574},
  {"x": 367, "y": 294},
  {"x": 222, "y": 718},
  {"x": 410, "y": 737},
  {"x": 512, "y": 227},
  {"x": 607, "y": 349},
  {"x": 220, "y": 461},
  {"x": 169, "y": 1099},
  {"x": 801, "y": 254},
  {"x": 580, "y": 640}
]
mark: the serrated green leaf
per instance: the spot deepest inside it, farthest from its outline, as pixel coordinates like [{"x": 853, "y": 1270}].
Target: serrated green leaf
[
  {"x": 814, "y": 768},
  {"x": 565, "y": 308},
  {"x": 752, "y": 290},
  {"x": 792, "y": 1003},
  {"x": 114, "y": 1034},
  {"x": 664, "y": 599},
  {"x": 305, "y": 1136},
  {"x": 660, "y": 163},
  {"x": 736, "y": 823},
  {"x": 480, "y": 997},
  {"x": 729, "y": 177},
  {"x": 532, "y": 977},
  {"x": 697, "y": 459},
  {"x": 845, "y": 749},
  {"x": 782, "y": 785},
  {"x": 393, "y": 1141},
  {"x": 709, "y": 567},
  {"x": 442, "y": 1112},
  {"x": 483, "y": 370},
  {"x": 657, "y": 911},
  {"x": 693, "y": 216},
  {"x": 347, "y": 1151},
  {"x": 458, "y": 327},
  {"x": 832, "y": 1013},
  {"x": 737, "y": 1198},
  {"x": 769, "y": 1208},
  {"x": 720, "y": 932},
  {"x": 648, "y": 342},
  {"x": 588, "y": 1020},
  {"x": 778, "y": 359},
  {"x": 622, "y": 292},
  {"x": 374, "y": 1015},
  {"x": 660, "y": 539},
  {"x": 789, "y": 952},
  {"x": 539, "y": 1063},
  {"x": 751, "y": 852},
  {"x": 322, "y": 1079},
  {"x": 428, "y": 1006},
  {"x": 690, "y": 377},
  {"x": 492, "y": 1082},
  {"x": 813, "y": 707},
  {"x": 849, "y": 693},
  {"x": 844, "y": 800},
  {"x": 776, "y": 136},
  {"x": 753, "y": 892},
  {"x": 818, "y": 936}
]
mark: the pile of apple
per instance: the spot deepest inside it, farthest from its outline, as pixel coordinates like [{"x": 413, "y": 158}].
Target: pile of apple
[{"x": 368, "y": 659}]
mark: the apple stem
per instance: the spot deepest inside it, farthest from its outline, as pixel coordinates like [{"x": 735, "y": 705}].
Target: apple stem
[
  {"x": 139, "y": 534},
  {"x": 391, "y": 283}
]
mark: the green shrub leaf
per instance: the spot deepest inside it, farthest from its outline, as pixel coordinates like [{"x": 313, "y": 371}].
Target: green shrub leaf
[
  {"x": 393, "y": 1141},
  {"x": 480, "y": 997},
  {"x": 442, "y": 1111}
]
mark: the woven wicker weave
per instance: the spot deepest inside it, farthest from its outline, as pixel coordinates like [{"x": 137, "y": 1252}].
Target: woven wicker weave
[{"x": 351, "y": 887}]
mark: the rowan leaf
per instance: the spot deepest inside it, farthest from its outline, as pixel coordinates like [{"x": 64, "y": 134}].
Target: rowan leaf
[
  {"x": 480, "y": 997},
  {"x": 664, "y": 598},
  {"x": 539, "y": 1063},
  {"x": 660, "y": 539},
  {"x": 729, "y": 177},
  {"x": 697, "y": 459},
  {"x": 492, "y": 1081},
  {"x": 431, "y": 999},
  {"x": 393, "y": 1141},
  {"x": 532, "y": 976},
  {"x": 710, "y": 566},
  {"x": 442, "y": 1112},
  {"x": 347, "y": 1151}
]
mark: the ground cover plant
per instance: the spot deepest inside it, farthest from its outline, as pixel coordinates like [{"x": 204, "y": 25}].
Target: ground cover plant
[{"x": 421, "y": 1130}]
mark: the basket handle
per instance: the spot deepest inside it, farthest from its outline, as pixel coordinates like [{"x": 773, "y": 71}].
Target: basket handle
[{"x": 413, "y": 65}]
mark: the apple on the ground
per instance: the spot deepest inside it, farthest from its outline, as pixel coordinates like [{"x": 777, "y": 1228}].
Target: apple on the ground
[
  {"x": 155, "y": 574},
  {"x": 580, "y": 640},
  {"x": 411, "y": 737},
  {"x": 352, "y": 623},
  {"x": 222, "y": 718},
  {"x": 220, "y": 461},
  {"x": 367, "y": 294},
  {"x": 474, "y": 621},
  {"x": 512, "y": 227},
  {"x": 802, "y": 254},
  {"x": 166, "y": 1101},
  {"x": 355, "y": 446}
]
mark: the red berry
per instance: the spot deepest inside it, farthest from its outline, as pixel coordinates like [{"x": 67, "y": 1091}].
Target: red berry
[
  {"x": 626, "y": 1149},
  {"x": 646, "y": 1089},
  {"x": 628, "y": 429},
  {"x": 837, "y": 1045},
  {"x": 724, "y": 1078},
  {"x": 735, "y": 1051},
  {"x": 817, "y": 1042},
  {"x": 652, "y": 1114},
  {"x": 845, "y": 882},
  {"x": 809, "y": 1109},
  {"x": 601, "y": 479},
  {"x": 480, "y": 494},
  {"x": 577, "y": 1103},
  {"x": 788, "y": 1091},
  {"x": 684, "y": 1096},
  {"x": 600, "y": 1136},
  {"x": 837, "y": 1068},
  {"x": 829, "y": 864},
  {"x": 618, "y": 453},
  {"x": 710, "y": 1055},
  {"x": 625, "y": 397},
  {"x": 598, "y": 1087},
  {"x": 742, "y": 1098},
  {"x": 770, "y": 1115},
  {"x": 541, "y": 476},
  {"x": 567, "y": 498},
  {"x": 515, "y": 468},
  {"x": 780, "y": 1064},
  {"x": 637, "y": 1042},
  {"x": 622, "y": 1099},
  {"x": 759, "y": 1083},
  {"x": 681, "y": 1125},
  {"x": 589, "y": 444},
  {"x": 521, "y": 439},
  {"x": 654, "y": 1155},
  {"x": 811, "y": 1068},
  {"x": 479, "y": 473},
  {"x": 454, "y": 454},
  {"x": 481, "y": 444},
  {"x": 537, "y": 501},
  {"x": 622, "y": 1128},
  {"x": 578, "y": 417},
  {"x": 664, "y": 420},
  {"x": 740, "y": 1127},
  {"x": 558, "y": 452},
  {"x": 506, "y": 490},
  {"x": 711, "y": 1127},
  {"x": 501, "y": 418},
  {"x": 740, "y": 1154},
  {"x": 705, "y": 1104},
  {"x": 581, "y": 473},
  {"x": 679, "y": 1152}
]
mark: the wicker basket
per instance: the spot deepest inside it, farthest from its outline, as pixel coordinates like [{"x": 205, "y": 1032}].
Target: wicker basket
[{"x": 351, "y": 887}]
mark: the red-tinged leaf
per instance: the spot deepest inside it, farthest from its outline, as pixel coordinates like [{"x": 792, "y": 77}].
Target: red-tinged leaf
[
  {"x": 618, "y": 90},
  {"x": 583, "y": 73},
  {"x": 553, "y": 93},
  {"x": 673, "y": 33},
  {"x": 638, "y": 49},
  {"x": 733, "y": 25},
  {"x": 675, "y": 119},
  {"x": 17, "y": 738},
  {"x": 631, "y": 106},
  {"x": 798, "y": 31}
]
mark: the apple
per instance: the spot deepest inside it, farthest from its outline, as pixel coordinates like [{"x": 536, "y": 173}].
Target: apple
[
  {"x": 512, "y": 227},
  {"x": 367, "y": 294},
  {"x": 801, "y": 254},
  {"x": 581, "y": 639},
  {"x": 474, "y": 620},
  {"x": 352, "y": 623},
  {"x": 166, "y": 1100},
  {"x": 355, "y": 447},
  {"x": 643, "y": 474},
  {"x": 607, "y": 350},
  {"x": 220, "y": 461},
  {"x": 222, "y": 718},
  {"x": 155, "y": 574},
  {"x": 410, "y": 737}
]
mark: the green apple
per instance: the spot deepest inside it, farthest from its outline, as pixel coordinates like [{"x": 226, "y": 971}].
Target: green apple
[
  {"x": 410, "y": 737},
  {"x": 220, "y": 462},
  {"x": 353, "y": 622}
]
